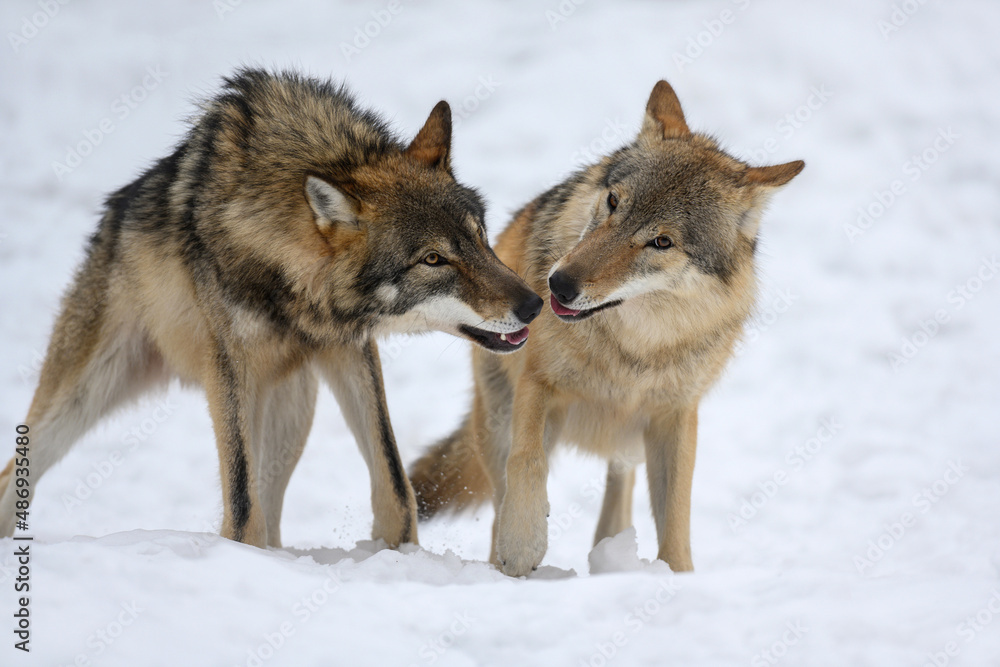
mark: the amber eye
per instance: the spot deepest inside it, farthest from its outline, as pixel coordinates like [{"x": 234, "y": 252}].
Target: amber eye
[
  {"x": 662, "y": 242},
  {"x": 433, "y": 259},
  {"x": 612, "y": 201}
]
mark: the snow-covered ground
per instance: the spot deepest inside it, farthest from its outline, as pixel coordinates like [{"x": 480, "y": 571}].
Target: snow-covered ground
[{"x": 846, "y": 498}]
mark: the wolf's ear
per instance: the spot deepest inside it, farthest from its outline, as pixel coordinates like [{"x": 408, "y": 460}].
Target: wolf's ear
[
  {"x": 763, "y": 181},
  {"x": 329, "y": 203},
  {"x": 432, "y": 145},
  {"x": 773, "y": 176},
  {"x": 664, "y": 117}
]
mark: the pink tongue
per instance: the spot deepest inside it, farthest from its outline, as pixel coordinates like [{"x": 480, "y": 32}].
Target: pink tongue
[
  {"x": 560, "y": 309},
  {"x": 518, "y": 336}
]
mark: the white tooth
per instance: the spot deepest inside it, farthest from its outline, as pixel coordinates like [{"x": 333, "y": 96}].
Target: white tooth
[{"x": 503, "y": 337}]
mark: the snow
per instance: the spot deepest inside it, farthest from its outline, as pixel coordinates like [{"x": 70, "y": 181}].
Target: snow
[
  {"x": 620, "y": 553},
  {"x": 869, "y": 486}
]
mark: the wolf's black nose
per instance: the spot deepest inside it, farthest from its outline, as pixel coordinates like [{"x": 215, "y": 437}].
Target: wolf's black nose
[
  {"x": 563, "y": 287},
  {"x": 529, "y": 308}
]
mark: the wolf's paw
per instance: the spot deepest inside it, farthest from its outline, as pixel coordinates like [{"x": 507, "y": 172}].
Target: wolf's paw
[
  {"x": 522, "y": 539},
  {"x": 396, "y": 527},
  {"x": 253, "y": 531}
]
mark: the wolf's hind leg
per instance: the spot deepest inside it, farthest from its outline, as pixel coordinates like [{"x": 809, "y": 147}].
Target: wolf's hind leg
[
  {"x": 355, "y": 376},
  {"x": 616, "y": 512},
  {"x": 86, "y": 375},
  {"x": 287, "y": 419}
]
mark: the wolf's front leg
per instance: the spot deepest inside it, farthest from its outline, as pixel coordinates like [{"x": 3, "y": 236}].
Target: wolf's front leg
[
  {"x": 522, "y": 527},
  {"x": 232, "y": 404},
  {"x": 671, "y": 439},
  {"x": 355, "y": 376}
]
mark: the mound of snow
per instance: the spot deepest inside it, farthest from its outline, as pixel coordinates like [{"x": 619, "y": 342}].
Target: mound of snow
[{"x": 621, "y": 554}]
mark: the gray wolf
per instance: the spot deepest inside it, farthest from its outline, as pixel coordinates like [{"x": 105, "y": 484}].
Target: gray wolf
[
  {"x": 648, "y": 258},
  {"x": 287, "y": 231}
]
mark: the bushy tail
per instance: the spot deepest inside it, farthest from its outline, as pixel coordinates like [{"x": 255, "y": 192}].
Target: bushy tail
[{"x": 450, "y": 476}]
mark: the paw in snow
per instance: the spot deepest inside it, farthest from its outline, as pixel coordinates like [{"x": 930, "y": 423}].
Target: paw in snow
[{"x": 522, "y": 538}]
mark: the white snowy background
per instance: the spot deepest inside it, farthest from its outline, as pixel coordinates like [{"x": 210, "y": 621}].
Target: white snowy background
[{"x": 866, "y": 395}]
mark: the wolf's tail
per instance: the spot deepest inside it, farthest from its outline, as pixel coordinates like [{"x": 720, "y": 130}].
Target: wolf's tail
[{"x": 450, "y": 476}]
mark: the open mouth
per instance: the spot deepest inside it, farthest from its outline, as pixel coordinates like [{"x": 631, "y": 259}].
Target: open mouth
[
  {"x": 570, "y": 315},
  {"x": 496, "y": 342}
]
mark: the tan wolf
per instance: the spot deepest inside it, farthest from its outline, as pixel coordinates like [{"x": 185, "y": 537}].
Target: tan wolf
[
  {"x": 286, "y": 232},
  {"x": 649, "y": 260}
]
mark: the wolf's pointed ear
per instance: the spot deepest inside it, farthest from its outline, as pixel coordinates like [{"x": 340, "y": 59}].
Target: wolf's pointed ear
[
  {"x": 664, "y": 117},
  {"x": 773, "y": 176},
  {"x": 329, "y": 203},
  {"x": 763, "y": 181},
  {"x": 432, "y": 145}
]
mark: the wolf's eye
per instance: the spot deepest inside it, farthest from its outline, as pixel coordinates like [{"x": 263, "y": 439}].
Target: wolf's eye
[
  {"x": 434, "y": 259},
  {"x": 612, "y": 201},
  {"x": 662, "y": 242}
]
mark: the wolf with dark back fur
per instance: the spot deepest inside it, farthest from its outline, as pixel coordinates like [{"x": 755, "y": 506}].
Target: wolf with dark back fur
[
  {"x": 286, "y": 232},
  {"x": 648, "y": 257}
]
